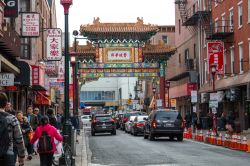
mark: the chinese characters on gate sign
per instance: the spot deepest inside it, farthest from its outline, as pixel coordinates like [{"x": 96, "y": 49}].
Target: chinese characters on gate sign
[
  {"x": 118, "y": 55},
  {"x": 54, "y": 44},
  {"x": 30, "y": 24}
]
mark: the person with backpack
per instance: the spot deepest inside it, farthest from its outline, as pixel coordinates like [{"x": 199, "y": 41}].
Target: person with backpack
[
  {"x": 45, "y": 134},
  {"x": 10, "y": 135}
]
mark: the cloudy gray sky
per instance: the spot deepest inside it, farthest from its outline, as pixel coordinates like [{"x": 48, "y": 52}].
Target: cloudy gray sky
[{"x": 160, "y": 12}]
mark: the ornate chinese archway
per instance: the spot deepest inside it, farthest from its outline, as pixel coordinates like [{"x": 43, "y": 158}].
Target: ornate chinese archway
[{"x": 122, "y": 50}]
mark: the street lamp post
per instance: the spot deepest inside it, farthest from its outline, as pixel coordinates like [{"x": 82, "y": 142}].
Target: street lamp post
[
  {"x": 167, "y": 83},
  {"x": 213, "y": 71},
  {"x": 67, "y": 128}
]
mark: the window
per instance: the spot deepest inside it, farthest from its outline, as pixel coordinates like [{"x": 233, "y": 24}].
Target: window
[
  {"x": 194, "y": 50},
  {"x": 241, "y": 57},
  {"x": 25, "y": 48},
  {"x": 165, "y": 39},
  {"x": 225, "y": 62},
  {"x": 179, "y": 58},
  {"x": 223, "y": 23},
  {"x": 186, "y": 53},
  {"x": 248, "y": 9},
  {"x": 249, "y": 52},
  {"x": 216, "y": 25},
  {"x": 240, "y": 14},
  {"x": 215, "y": 3},
  {"x": 204, "y": 38},
  {"x": 232, "y": 59},
  {"x": 206, "y": 69},
  {"x": 98, "y": 95},
  {"x": 231, "y": 18},
  {"x": 179, "y": 26}
]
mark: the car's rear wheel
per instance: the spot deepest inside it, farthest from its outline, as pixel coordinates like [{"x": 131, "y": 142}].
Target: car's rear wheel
[
  {"x": 180, "y": 137},
  {"x": 145, "y": 136},
  {"x": 151, "y": 136}
]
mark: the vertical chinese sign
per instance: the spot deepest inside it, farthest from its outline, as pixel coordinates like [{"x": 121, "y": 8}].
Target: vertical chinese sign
[
  {"x": 30, "y": 24},
  {"x": 35, "y": 75},
  {"x": 54, "y": 44},
  {"x": 215, "y": 52}
]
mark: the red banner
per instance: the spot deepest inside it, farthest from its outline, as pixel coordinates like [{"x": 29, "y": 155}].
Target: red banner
[
  {"x": 191, "y": 87},
  {"x": 35, "y": 75},
  {"x": 215, "y": 52}
]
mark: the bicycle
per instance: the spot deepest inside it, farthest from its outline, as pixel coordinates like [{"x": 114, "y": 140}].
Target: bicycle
[{"x": 66, "y": 158}]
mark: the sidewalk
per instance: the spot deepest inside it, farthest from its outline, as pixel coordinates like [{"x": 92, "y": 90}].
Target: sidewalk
[{"x": 80, "y": 158}]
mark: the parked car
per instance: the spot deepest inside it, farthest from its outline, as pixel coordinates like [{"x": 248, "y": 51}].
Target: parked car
[
  {"x": 137, "y": 126},
  {"x": 128, "y": 124},
  {"x": 164, "y": 123},
  {"x": 127, "y": 115},
  {"x": 102, "y": 123},
  {"x": 86, "y": 119}
]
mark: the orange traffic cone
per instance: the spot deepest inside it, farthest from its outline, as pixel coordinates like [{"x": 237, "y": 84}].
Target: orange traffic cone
[
  {"x": 206, "y": 137},
  {"x": 201, "y": 136},
  {"x": 185, "y": 133},
  {"x": 196, "y": 135},
  {"x": 244, "y": 144},
  {"x": 226, "y": 140},
  {"x": 190, "y": 133},
  {"x": 238, "y": 143},
  {"x": 212, "y": 138},
  {"x": 219, "y": 140},
  {"x": 233, "y": 141},
  {"x": 248, "y": 147}
]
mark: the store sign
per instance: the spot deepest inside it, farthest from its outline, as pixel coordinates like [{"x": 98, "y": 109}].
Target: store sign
[
  {"x": 11, "y": 8},
  {"x": 7, "y": 79},
  {"x": 50, "y": 67},
  {"x": 35, "y": 75},
  {"x": 194, "y": 96},
  {"x": 215, "y": 52},
  {"x": 191, "y": 87},
  {"x": 30, "y": 24},
  {"x": 54, "y": 44}
]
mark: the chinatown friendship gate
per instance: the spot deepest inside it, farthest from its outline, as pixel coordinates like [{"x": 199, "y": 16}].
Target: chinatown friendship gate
[{"x": 122, "y": 50}]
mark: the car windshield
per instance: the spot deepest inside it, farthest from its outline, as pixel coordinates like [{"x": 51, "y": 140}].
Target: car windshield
[
  {"x": 167, "y": 115},
  {"x": 103, "y": 118}
]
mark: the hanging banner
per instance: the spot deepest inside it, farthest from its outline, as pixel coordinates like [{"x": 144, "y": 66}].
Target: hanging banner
[
  {"x": 54, "y": 44},
  {"x": 215, "y": 52},
  {"x": 30, "y": 24},
  {"x": 11, "y": 8}
]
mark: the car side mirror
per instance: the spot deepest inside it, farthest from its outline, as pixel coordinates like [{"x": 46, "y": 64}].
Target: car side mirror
[{"x": 145, "y": 118}]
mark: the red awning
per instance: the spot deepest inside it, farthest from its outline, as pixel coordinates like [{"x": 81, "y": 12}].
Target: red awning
[{"x": 42, "y": 100}]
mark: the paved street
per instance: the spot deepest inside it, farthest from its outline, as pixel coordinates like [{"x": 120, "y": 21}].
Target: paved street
[{"x": 126, "y": 150}]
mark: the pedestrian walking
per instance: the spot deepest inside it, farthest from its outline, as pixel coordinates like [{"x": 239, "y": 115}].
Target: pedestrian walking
[
  {"x": 188, "y": 119},
  {"x": 10, "y": 135},
  {"x": 52, "y": 117},
  {"x": 9, "y": 109},
  {"x": 45, "y": 134},
  {"x": 32, "y": 118},
  {"x": 38, "y": 114}
]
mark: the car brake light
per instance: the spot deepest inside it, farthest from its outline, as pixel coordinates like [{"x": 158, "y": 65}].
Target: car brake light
[
  {"x": 154, "y": 124},
  {"x": 140, "y": 124},
  {"x": 125, "y": 119}
]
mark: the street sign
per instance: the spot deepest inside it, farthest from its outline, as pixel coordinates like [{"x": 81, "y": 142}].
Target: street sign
[
  {"x": 30, "y": 25},
  {"x": 159, "y": 102},
  {"x": 215, "y": 52},
  {"x": 54, "y": 44},
  {"x": 214, "y": 96},
  {"x": 213, "y": 104},
  {"x": 7, "y": 79}
]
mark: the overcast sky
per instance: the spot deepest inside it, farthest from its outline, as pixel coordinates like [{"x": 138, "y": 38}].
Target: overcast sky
[{"x": 160, "y": 12}]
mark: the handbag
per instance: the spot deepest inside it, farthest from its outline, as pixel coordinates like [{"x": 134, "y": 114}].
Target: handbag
[{"x": 30, "y": 135}]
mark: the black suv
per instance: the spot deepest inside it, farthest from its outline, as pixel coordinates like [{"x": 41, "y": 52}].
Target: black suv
[
  {"x": 164, "y": 123},
  {"x": 102, "y": 123}
]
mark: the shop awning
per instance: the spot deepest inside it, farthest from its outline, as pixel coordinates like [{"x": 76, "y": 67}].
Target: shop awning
[
  {"x": 24, "y": 77},
  {"x": 41, "y": 99},
  {"x": 8, "y": 66}
]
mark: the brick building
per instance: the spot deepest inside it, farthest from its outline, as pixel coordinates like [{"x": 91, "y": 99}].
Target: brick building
[{"x": 197, "y": 23}]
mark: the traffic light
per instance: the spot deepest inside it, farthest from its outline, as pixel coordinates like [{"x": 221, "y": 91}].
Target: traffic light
[{"x": 235, "y": 94}]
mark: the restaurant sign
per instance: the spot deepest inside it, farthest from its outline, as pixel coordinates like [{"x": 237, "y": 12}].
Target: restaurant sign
[
  {"x": 7, "y": 79},
  {"x": 54, "y": 44},
  {"x": 30, "y": 24}
]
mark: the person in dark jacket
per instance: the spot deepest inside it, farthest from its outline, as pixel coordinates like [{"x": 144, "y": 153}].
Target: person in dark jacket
[
  {"x": 37, "y": 113},
  {"x": 188, "y": 119},
  {"x": 52, "y": 117}
]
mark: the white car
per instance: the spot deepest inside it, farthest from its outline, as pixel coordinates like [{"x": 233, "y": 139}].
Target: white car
[
  {"x": 86, "y": 120},
  {"x": 128, "y": 124}
]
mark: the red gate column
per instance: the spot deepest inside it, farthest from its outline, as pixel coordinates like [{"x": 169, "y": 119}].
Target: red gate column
[{"x": 162, "y": 83}]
